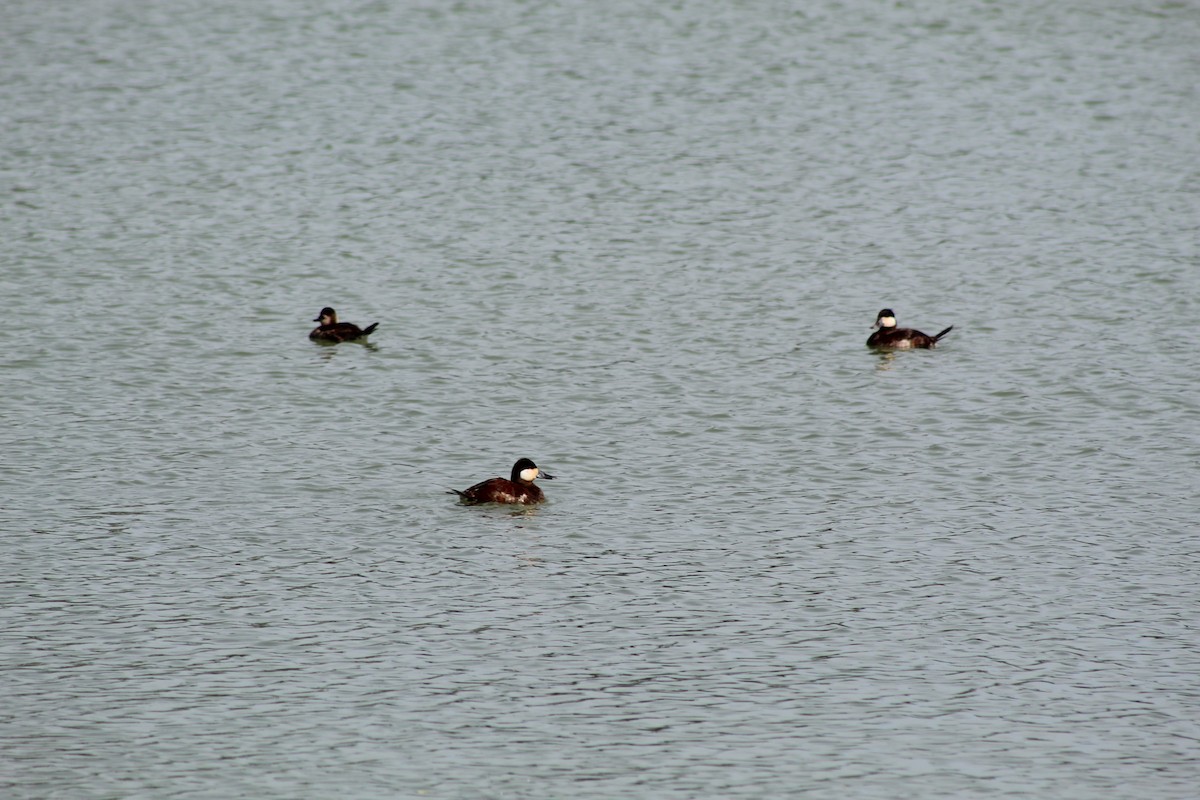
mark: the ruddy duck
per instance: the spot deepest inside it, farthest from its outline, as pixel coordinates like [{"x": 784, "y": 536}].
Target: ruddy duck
[
  {"x": 889, "y": 336},
  {"x": 330, "y": 330},
  {"x": 517, "y": 489}
]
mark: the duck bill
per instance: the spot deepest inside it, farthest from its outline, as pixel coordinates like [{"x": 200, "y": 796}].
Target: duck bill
[{"x": 545, "y": 475}]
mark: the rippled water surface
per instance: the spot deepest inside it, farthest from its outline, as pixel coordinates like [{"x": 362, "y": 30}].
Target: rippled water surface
[{"x": 643, "y": 245}]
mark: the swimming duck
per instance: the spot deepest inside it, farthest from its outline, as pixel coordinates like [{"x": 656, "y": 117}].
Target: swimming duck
[
  {"x": 330, "y": 330},
  {"x": 889, "y": 336},
  {"x": 517, "y": 489}
]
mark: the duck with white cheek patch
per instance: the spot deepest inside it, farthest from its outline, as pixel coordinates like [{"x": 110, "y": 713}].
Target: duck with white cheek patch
[
  {"x": 330, "y": 330},
  {"x": 889, "y": 337},
  {"x": 518, "y": 489}
]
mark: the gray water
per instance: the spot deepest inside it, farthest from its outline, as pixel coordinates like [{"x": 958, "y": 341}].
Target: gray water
[{"x": 642, "y": 244}]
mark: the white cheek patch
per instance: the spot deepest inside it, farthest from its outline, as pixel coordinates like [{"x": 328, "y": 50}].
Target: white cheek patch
[
  {"x": 887, "y": 322},
  {"x": 529, "y": 474}
]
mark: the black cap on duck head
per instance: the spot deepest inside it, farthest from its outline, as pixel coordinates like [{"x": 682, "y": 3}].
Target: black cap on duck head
[
  {"x": 326, "y": 312},
  {"x": 885, "y": 319},
  {"x": 526, "y": 471}
]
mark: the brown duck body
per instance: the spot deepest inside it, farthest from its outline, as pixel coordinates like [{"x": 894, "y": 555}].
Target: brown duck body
[
  {"x": 903, "y": 338},
  {"x": 502, "y": 490},
  {"x": 341, "y": 332}
]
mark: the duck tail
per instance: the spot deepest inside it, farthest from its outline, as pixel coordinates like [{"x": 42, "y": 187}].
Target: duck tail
[
  {"x": 463, "y": 497},
  {"x": 370, "y": 328},
  {"x": 943, "y": 333}
]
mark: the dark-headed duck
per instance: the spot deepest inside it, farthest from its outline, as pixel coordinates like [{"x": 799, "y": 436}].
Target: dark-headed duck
[
  {"x": 330, "y": 330},
  {"x": 890, "y": 337},
  {"x": 518, "y": 488}
]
